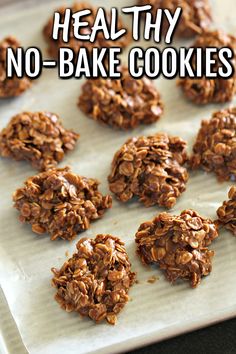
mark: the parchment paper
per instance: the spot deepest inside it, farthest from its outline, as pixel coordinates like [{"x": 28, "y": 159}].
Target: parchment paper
[{"x": 157, "y": 310}]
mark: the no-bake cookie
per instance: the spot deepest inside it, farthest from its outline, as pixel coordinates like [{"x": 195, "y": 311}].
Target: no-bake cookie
[
  {"x": 227, "y": 211},
  {"x": 215, "y": 146},
  {"x": 37, "y": 137},
  {"x": 195, "y": 17},
  {"x": 76, "y": 44},
  {"x": 178, "y": 245},
  {"x": 95, "y": 281},
  {"x": 60, "y": 203},
  {"x": 10, "y": 87},
  {"x": 151, "y": 168},
  {"x": 211, "y": 90},
  {"x": 121, "y": 103}
]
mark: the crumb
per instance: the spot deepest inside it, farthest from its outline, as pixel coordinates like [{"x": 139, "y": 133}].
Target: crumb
[{"x": 152, "y": 279}]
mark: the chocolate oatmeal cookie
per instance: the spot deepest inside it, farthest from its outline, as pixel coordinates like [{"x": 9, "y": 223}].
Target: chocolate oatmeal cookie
[
  {"x": 37, "y": 137},
  {"x": 216, "y": 90},
  {"x": 227, "y": 211},
  {"x": 60, "y": 203},
  {"x": 178, "y": 245},
  {"x": 75, "y": 44},
  {"x": 95, "y": 281},
  {"x": 121, "y": 103},
  {"x": 215, "y": 146},
  {"x": 14, "y": 86},
  {"x": 195, "y": 17},
  {"x": 151, "y": 168}
]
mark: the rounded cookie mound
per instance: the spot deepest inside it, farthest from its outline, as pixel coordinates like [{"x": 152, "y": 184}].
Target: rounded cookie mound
[
  {"x": 150, "y": 168},
  {"x": 96, "y": 280},
  {"x": 195, "y": 17},
  {"x": 227, "y": 212},
  {"x": 10, "y": 87},
  {"x": 37, "y": 137},
  {"x": 218, "y": 90},
  {"x": 76, "y": 44},
  {"x": 60, "y": 203},
  {"x": 215, "y": 146},
  {"x": 178, "y": 245},
  {"x": 121, "y": 103}
]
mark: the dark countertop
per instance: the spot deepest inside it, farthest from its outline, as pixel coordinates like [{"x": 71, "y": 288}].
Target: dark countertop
[{"x": 220, "y": 338}]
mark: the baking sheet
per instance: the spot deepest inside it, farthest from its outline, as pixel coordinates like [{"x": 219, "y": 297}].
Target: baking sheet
[{"x": 156, "y": 311}]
